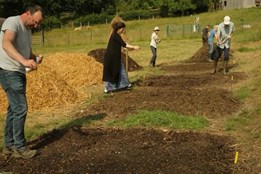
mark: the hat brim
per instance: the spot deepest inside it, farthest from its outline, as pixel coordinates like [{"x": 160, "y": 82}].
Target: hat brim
[{"x": 226, "y": 22}]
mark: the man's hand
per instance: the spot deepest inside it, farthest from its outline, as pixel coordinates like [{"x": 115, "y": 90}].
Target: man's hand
[{"x": 30, "y": 64}]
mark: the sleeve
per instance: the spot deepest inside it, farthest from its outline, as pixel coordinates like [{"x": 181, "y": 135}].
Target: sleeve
[
  {"x": 9, "y": 25},
  {"x": 120, "y": 40},
  {"x": 219, "y": 30},
  {"x": 232, "y": 27},
  {"x": 155, "y": 37}
]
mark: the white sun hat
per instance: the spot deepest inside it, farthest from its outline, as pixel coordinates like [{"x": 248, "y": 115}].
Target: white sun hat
[
  {"x": 156, "y": 29},
  {"x": 226, "y": 20}
]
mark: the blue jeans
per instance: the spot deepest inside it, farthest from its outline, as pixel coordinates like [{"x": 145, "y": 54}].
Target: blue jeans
[
  {"x": 14, "y": 85},
  {"x": 211, "y": 46},
  {"x": 123, "y": 83}
]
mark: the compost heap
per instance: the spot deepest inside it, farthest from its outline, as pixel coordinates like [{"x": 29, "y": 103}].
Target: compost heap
[
  {"x": 58, "y": 81},
  {"x": 60, "y": 78}
]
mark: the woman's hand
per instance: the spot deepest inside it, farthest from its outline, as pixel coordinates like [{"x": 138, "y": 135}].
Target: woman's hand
[{"x": 136, "y": 47}]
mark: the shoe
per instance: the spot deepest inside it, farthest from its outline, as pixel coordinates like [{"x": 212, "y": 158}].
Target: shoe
[
  {"x": 7, "y": 150},
  {"x": 129, "y": 87},
  {"x": 106, "y": 91},
  {"x": 210, "y": 60},
  {"x": 25, "y": 154}
]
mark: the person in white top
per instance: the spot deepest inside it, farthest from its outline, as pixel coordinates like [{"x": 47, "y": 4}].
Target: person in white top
[{"x": 153, "y": 46}]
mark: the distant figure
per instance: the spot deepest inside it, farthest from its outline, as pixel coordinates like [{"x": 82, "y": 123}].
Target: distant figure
[
  {"x": 114, "y": 73},
  {"x": 15, "y": 56},
  {"x": 204, "y": 35},
  {"x": 212, "y": 36},
  {"x": 224, "y": 34},
  {"x": 153, "y": 46}
]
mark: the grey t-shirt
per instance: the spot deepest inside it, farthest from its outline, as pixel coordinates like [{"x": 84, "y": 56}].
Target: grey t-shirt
[
  {"x": 22, "y": 43},
  {"x": 223, "y": 32}
]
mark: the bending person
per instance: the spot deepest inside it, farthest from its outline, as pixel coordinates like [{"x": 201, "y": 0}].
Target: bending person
[{"x": 224, "y": 34}]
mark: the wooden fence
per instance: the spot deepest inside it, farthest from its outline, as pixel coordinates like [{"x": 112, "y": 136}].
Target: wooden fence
[{"x": 101, "y": 35}]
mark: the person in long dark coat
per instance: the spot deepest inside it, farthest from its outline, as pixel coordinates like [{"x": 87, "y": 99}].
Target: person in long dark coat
[{"x": 114, "y": 73}]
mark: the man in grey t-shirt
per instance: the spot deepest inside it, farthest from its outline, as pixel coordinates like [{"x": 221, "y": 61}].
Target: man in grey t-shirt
[
  {"x": 224, "y": 33},
  {"x": 16, "y": 55}
]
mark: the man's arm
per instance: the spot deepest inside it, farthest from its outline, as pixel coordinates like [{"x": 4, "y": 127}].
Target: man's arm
[{"x": 11, "y": 51}]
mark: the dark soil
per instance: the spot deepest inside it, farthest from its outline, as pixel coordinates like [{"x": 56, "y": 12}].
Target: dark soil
[{"x": 188, "y": 88}]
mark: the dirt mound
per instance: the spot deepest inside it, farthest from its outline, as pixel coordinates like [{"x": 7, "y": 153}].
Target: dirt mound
[
  {"x": 58, "y": 80},
  {"x": 200, "y": 56},
  {"x": 187, "y": 95},
  {"x": 117, "y": 151},
  {"x": 185, "y": 91},
  {"x": 98, "y": 54}
]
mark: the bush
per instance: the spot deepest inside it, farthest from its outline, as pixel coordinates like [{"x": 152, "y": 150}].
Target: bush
[
  {"x": 93, "y": 19},
  {"x": 136, "y": 14},
  {"x": 51, "y": 22}
]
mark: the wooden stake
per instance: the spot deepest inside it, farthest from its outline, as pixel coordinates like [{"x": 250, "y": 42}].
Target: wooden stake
[{"x": 127, "y": 61}]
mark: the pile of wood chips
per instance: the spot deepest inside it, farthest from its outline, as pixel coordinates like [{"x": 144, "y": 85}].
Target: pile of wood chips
[{"x": 58, "y": 81}]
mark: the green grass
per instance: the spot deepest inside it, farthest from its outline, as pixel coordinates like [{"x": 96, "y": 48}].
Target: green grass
[
  {"x": 162, "y": 119},
  {"x": 238, "y": 121},
  {"x": 250, "y": 90},
  {"x": 243, "y": 93},
  {"x": 247, "y": 49},
  {"x": 246, "y": 122},
  {"x": 140, "y": 30}
]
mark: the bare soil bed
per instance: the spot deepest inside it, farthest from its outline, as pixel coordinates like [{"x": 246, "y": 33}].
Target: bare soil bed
[{"x": 188, "y": 88}]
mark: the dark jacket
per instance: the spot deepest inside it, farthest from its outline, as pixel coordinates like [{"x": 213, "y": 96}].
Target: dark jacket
[
  {"x": 205, "y": 33},
  {"x": 112, "y": 59}
]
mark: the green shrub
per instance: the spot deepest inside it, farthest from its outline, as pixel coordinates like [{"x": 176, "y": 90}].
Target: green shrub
[
  {"x": 137, "y": 14},
  {"x": 51, "y": 22},
  {"x": 93, "y": 19}
]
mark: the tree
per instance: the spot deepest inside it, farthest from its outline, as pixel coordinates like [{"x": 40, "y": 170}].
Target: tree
[
  {"x": 11, "y": 7},
  {"x": 181, "y": 6},
  {"x": 215, "y": 4},
  {"x": 201, "y": 5}
]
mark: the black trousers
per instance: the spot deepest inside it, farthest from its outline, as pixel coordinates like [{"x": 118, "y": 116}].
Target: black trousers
[
  {"x": 218, "y": 52},
  {"x": 154, "y": 55}
]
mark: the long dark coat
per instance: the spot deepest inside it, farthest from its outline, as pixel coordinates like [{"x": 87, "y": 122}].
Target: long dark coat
[{"x": 112, "y": 59}]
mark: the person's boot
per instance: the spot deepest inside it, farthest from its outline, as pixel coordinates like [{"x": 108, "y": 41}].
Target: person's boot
[
  {"x": 25, "y": 153},
  {"x": 209, "y": 58},
  {"x": 225, "y": 67},
  {"x": 7, "y": 150},
  {"x": 215, "y": 66}
]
